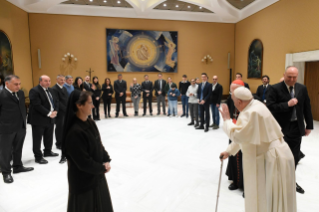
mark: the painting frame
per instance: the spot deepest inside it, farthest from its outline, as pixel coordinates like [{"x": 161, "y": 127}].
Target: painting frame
[
  {"x": 127, "y": 54},
  {"x": 255, "y": 59},
  {"x": 11, "y": 70}
]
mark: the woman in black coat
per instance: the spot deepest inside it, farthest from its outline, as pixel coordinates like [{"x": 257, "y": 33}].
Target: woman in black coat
[
  {"x": 96, "y": 98},
  {"x": 87, "y": 159},
  {"x": 78, "y": 84},
  {"x": 107, "y": 89}
]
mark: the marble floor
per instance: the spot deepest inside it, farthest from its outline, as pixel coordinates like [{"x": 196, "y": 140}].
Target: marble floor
[{"x": 159, "y": 165}]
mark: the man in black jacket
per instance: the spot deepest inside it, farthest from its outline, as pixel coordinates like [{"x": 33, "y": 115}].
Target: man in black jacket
[
  {"x": 159, "y": 87},
  {"x": 42, "y": 112},
  {"x": 86, "y": 84},
  {"x": 290, "y": 105},
  {"x": 147, "y": 88},
  {"x": 262, "y": 90},
  {"x": 215, "y": 99},
  {"x": 203, "y": 93},
  {"x": 12, "y": 127},
  {"x": 183, "y": 86},
  {"x": 120, "y": 88},
  {"x": 239, "y": 76},
  {"x": 62, "y": 94}
]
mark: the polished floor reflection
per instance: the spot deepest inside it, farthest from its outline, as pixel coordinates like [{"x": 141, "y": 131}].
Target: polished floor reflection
[{"x": 159, "y": 165}]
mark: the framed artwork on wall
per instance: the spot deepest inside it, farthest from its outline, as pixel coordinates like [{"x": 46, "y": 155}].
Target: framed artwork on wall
[
  {"x": 6, "y": 62},
  {"x": 141, "y": 51},
  {"x": 255, "y": 59}
]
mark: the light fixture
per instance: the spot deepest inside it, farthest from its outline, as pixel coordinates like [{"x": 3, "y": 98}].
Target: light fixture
[
  {"x": 176, "y": 5},
  {"x": 189, "y": 6},
  {"x": 91, "y": 0},
  {"x": 118, "y": 2},
  {"x": 200, "y": 7},
  {"x": 207, "y": 59},
  {"x": 104, "y": 1},
  {"x": 164, "y": 5},
  {"x": 68, "y": 57}
]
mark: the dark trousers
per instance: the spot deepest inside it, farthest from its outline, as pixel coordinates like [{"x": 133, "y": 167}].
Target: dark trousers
[
  {"x": 215, "y": 113},
  {"x": 38, "y": 132},
  {"x": 120, "y": 100},
  {"x": 11, "y": 145},
  {"x": 107, "y": 106},
  {"x": 185, "y": 104},
  {"x": 293, "y": 139},
  {"x": 193, "y": 108},
  {"x": 160, "y": 99},
  {"x": 149, "y": 101},
  {"x": 204, "y": 115},
  {"x": 59, "y": 123},
  {"x": 96, "y": 109}
]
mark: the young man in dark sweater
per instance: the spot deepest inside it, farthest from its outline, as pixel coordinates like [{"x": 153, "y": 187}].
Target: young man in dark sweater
[{"x": 183, "y": 86}]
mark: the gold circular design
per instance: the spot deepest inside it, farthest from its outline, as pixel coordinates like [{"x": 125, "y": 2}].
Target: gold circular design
[{"x": 143, "y": 52}]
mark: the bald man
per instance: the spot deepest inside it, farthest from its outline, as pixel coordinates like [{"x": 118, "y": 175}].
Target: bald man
[
  {"x": 42, "y": 113},
  {"x": 290, "y": 105},
  {"x": 268, "y": 163}
]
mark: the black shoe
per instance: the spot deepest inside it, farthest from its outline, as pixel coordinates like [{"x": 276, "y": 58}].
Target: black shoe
[
  {"x": 196, "y": 125},
  {"x": 151, "y": 114},
  {"x": 144, "y": 114},
  {"x": 22, "y": 169},
  {"x": 63, "y": 160},
  {"x": 50, "y": 154},
  {"x": 105, "y": 116},
  {"x": 232, "y": 187},
  {"x": 299, "y": 189},
  {"x": 190, "y": 124},
  {"x": 164, "y": 114},
  {"x": 168, "y": 115},
  {"x": 301, "y": 155},
  {"x": 110, "y": 116},
  {"x": 206, "y": 130},
  {"x": 116, "y": 116},
  {"x": 58, "y": 147},
  {"x": 186, "y": 116},
  {"x": 7, "y": 178},
  {"x": 41, "y": 161},
  {"x": 125, "y": 115},
  {"x": 212, "y": 125},
  {"x": 215, "y": 127},
  {"x": 243, "y": 194},
  {"x": 158, "y": 114},
  {"x": 182, "y": 115},
  {"x": 200, "y": 128}
]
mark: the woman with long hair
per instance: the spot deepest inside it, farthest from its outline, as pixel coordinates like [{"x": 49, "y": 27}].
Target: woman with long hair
[
  {"x": 87, "y": 159},
  {"x": 78, "y": 84},
  {"x": 107, "y": 96},
  {"x": 96, "y": 88}
]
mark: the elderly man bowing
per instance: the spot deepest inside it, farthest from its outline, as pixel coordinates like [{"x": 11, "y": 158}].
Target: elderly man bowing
[{"x": 268, "y": 163}]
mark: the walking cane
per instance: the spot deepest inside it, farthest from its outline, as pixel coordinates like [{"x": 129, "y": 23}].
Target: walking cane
[{"x": 220, "y": 180}]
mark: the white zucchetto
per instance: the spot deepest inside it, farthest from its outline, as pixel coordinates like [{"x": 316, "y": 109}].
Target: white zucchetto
[{"x": 243, "y": 93}]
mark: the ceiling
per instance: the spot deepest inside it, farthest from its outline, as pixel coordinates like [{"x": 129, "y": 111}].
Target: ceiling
[{"x": 222, "y": 11}]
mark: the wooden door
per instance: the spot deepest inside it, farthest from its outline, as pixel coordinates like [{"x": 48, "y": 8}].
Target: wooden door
[{"x": 312, "y": 83}]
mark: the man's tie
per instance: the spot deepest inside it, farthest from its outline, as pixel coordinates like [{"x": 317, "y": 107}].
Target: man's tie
[
  {"x": 50, "y": 97},
  {"x": 294, "y": 115},
  {"x": 15, "y": 95},
  {"x": 264, "y": 93},
  {"x": 201, "y": 95},
  {"x": 160, "y": 84}
]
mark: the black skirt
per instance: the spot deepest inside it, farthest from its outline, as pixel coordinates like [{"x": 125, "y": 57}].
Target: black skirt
[
  {"x": 95, "y": 200},
  {"x": 235, "y": 169}
]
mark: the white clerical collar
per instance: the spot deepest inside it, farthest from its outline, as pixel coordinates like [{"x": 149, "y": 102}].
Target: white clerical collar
[
  {"x": 59, "y": 85},
  {"x": 8, "y": 89}
]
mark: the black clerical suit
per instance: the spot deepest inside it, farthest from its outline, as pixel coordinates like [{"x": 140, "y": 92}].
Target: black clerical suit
[
  {"x": 42, "y": 124},
  {"x": 262, "y": 93},
  {"x": 291, "y": 119},
  {"x": 147, "y": 85},
  {"x": 12, "y": 129},
  {"x": 62, "y": 97},
  {"x": 120, "y": 86},
  {"x": 107, "y": 98},
  {"x": 160, "y": 97},
  {"x": 204, "y": 94}
]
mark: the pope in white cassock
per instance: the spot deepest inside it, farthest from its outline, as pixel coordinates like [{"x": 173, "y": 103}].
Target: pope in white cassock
[{"x": 268, "y": 164}]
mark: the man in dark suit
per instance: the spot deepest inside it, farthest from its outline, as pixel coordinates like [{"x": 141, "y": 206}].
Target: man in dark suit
[
  {"x": 239, "y": 76},
  {"x": 215, "y": 99},
  {"x": 86, "y": 84},
  {"x": 12, "y": 127},
  {"x": 62, "y": 95},
  {"x": 203, "y": 93},
  {"x": 262, "y": 90},
  {"x": 42, "y": 112},
  {"x": 290, "y": 105},
  {"x": 120, "y": 88},
  {"x": 147, "y": 88},
  {"x": 159, "y": 87}
]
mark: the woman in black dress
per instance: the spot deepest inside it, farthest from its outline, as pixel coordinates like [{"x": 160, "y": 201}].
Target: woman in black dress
[
  {"x": 96, "y": 98},
  {"x": 78, "y": 84},
  {"x": 107, "y": 96},
  {"x": 87, "y": 159}
]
